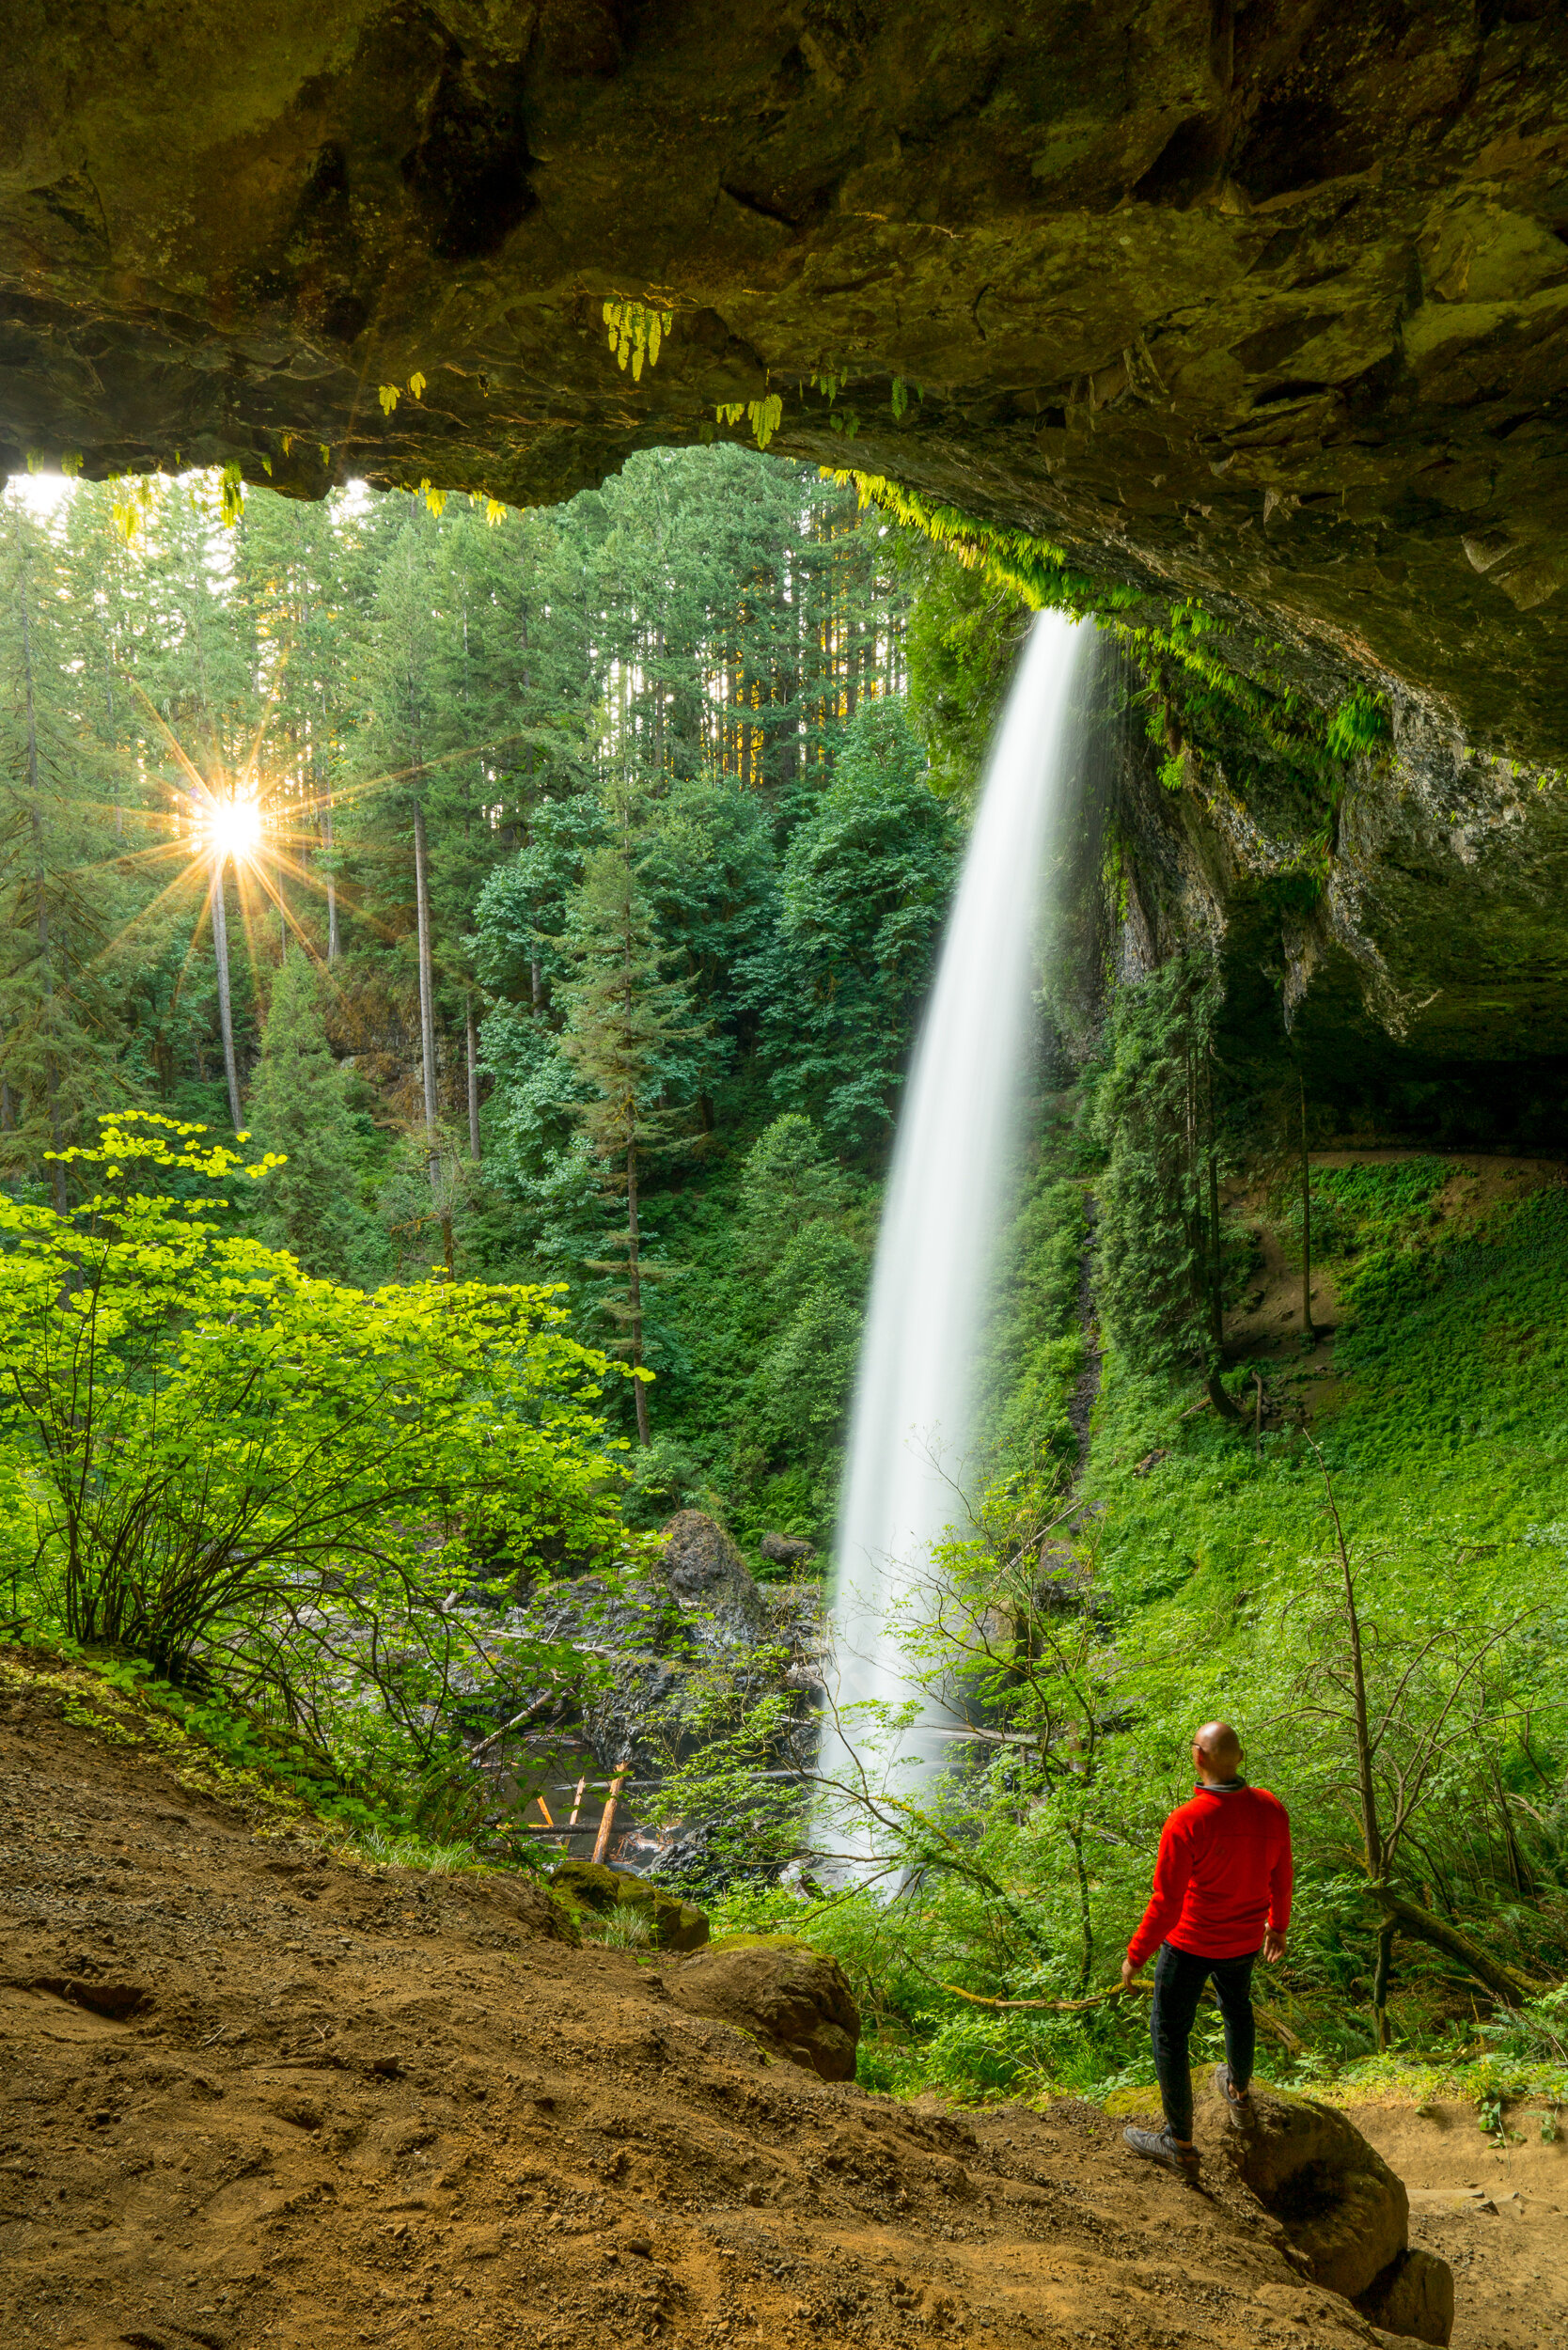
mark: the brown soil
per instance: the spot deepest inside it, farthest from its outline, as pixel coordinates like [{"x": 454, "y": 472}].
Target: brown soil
[
  {"x": 253, "y": 2096},
  {"x": 1498, "y": 2215}
]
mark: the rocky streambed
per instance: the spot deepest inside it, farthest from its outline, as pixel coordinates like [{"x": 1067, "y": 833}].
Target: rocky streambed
[{"x": 691, "y": 1652}]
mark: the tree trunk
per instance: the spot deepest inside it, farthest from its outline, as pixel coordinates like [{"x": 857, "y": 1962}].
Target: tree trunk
[
  {"x": 1386, "y": 1933},
  {"x": 334, "y": 947},
  {"x": 1377, "y": 1859},
  {"x": 1086, "y": 1916},
  {"x": 46, "y": 967},
  {"x": 633, "y": 1291},
  {"x": 1422, "y": 1926},
  {"x": 1224, "y": 1404},
  {"x": 109, "y": 708},
  {"x": 225, "y": 1008},
  {"x": 1216, "y": 1283},
  {"x": 426, "y": 993},
  {"x": 472, "y": 1042},
  {"x": 1307, "y": 1330}
]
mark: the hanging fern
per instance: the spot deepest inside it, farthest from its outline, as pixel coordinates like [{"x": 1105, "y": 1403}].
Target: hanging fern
[
  {"x": 231, "y": 496},
  {"x": 764, "y": 415},
  {"x": 636, "y": 333}
]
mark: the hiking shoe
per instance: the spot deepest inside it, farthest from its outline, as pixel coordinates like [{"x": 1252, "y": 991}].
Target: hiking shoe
[
  {"x": 1159, "y": 2146},
  {"x": 1238, "y": 2102}
]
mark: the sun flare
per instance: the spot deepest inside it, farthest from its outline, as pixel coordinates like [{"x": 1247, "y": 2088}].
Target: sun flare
[{"x": 234, "y": 827}]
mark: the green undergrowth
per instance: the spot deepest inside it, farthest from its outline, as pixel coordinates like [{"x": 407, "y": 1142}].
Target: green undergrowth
[{"x": 1442, "y": 1420}]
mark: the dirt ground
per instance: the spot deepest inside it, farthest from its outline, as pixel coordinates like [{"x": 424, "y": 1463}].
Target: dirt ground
[
  {"x": 1498, "y": 2216},
  {"x": 252, "y": 2095}
]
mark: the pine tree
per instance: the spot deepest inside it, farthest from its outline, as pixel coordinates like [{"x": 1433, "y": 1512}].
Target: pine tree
[
  {"x": 55, "y": 1026},
  {"x": 297, "y": 1107},
  {"x": 628, "y": 1029}
]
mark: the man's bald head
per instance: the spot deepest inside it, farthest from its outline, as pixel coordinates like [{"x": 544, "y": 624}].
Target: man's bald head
[{"x": 1216, "y": 1750}]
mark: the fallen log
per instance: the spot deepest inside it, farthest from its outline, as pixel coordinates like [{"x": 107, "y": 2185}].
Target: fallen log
[{"x": 1422, "y": 1926}]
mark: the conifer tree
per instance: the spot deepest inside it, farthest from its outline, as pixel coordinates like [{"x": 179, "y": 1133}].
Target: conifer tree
[
  {"x": 52, "y": 1023},
  {"x": 628, "y": 1029},
  {"x": 297, "y": 1107}
]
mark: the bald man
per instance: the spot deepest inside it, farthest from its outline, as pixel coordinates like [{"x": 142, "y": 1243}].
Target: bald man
[{"x": 1222, "y": 1895}]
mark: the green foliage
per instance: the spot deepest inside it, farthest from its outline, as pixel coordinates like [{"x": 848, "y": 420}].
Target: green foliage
[
  {"x": 797, "y": 1241},
  {"x": 636, "y": 332},
  {"x": 1152, "y": 1117},
  {"x": 964, "y": 630},
  {"x": 1360, "y": 725},
  {"x": 1367, "y": 1207},
  {"x": 236, "y": 1472},
  {"x": 1035, "y": 1347},
  {"x": 300, "y": 1111},
  {"x": 864, "y": 889}
]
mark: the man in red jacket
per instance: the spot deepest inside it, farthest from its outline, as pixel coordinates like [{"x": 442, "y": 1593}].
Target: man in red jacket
[{"x": 1222, "y": 1893}]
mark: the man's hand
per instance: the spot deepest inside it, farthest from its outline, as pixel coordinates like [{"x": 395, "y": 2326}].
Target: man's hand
[
  {"x": 1273, "y": 1946},
  {"x": 1129, "y": 1974}
]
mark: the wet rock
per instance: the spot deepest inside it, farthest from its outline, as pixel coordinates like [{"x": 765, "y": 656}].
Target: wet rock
[
  {"x": 711, "y": 1581},
  {"x": 710, "y": 1856},
  {"x": 692, "y": 1645},
  {"x": 673, "y": 1924},
  {"x": 1342, "y": 2207},
  {"x": 788, "y": 1996},
  {"x": 786, "y": 1550},
  {"x": 1414, "y": 2295}
]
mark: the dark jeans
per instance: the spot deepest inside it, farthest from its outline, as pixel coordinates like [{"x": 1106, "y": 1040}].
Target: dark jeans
[{"x": 1179, "y": 1980}]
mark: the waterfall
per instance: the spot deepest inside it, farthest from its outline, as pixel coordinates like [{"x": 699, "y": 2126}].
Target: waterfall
[{"x": 949, "y": 1189}]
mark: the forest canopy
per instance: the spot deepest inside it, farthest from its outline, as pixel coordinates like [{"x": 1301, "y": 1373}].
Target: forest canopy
[{"x": 506, "y": 879}]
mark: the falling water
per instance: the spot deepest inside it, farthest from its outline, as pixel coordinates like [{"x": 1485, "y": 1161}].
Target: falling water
[{"x": 948, "y": 1194}]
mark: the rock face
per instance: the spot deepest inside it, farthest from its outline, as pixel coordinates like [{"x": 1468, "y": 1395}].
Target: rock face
[
  {"x": 1414, "y": 2295},
  {"x": 788, "y": 1996},
  {"x": 711, "y": 1582},
  {"x": 672, "y": 1923},
  {"x": 1267, "y": 305},
  {"x": 685, "y": 1648},
  {"x": 1343, "y": 2210}
]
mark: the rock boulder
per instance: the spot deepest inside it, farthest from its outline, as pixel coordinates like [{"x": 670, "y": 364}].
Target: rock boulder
[
  {"x": 1414, "y": 2295},
  {"x": 672, "y": 1923},
  {"x": 1341, "y": 2207},
  {"x": 788, "y": 1996},
  {"x": 711, "y": 1582},
  {"x": 786, "y": 1550}
]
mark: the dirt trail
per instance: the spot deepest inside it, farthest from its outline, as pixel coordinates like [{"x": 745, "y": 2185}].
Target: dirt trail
[
  {"x": 1498, "y": 2216},
  {"x": 250, "y": 2096}
]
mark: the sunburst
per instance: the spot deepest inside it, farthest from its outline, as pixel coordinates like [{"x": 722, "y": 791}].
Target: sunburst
[{"x": 231, "y": 826}]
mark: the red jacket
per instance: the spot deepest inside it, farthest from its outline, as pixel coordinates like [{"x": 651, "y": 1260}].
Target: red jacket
[{"x": 1223, "y": 1874}]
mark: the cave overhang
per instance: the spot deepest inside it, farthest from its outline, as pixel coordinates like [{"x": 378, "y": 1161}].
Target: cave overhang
[{"x": 1263, "y": 305}]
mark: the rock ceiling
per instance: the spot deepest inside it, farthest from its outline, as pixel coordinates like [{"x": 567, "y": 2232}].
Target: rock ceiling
[{"x": 1266, "y": 304}]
